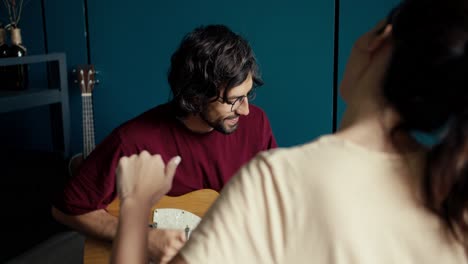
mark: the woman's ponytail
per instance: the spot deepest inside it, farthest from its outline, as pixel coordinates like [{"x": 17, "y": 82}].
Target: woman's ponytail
[{"x": 446, "y": 181}]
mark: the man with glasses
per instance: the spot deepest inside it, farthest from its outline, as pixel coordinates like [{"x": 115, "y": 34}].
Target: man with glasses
[{"x": 209, "y": 123}]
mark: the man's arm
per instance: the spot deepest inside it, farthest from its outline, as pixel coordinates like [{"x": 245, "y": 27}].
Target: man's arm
[
  {"x": 80, "y": 205},
  {"x": 162, "y": 244},
  {"x": 99, "y": 224},
  {"x": 268, "y": 138}
]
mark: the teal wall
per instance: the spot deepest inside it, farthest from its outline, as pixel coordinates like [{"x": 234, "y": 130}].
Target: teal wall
[
  {"x": 66, "y": 32},
  {"x": 356, "y": 18},
  {"x": 131, "y": 44}
]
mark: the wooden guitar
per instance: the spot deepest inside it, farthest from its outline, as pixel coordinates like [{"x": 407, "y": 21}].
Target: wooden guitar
[
  {"x": 85, "y": 77},
  {"x": 196, "y": 202}
]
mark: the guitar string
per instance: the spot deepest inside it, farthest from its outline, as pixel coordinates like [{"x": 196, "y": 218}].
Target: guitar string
[{"x": 89, "y": 125}]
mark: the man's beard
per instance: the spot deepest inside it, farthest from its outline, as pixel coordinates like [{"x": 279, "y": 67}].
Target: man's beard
[{"x": 219, "y": 125}]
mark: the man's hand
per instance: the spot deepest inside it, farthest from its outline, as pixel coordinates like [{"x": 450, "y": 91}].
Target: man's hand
[
  {"x": 144, "y": 177},
  {"x": 163, "y": 245}
]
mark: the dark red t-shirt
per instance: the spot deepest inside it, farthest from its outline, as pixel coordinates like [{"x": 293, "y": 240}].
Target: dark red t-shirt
[{"x": 208, "y": 160}]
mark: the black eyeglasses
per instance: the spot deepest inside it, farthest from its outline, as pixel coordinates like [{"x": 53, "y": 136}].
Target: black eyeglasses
[{"x": 241, "y": 99}]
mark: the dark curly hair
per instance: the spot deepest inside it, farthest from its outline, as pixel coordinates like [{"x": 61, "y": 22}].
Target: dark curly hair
[
  {"x": 209, "y": 60},
  {"x": 427, "y": 83}
]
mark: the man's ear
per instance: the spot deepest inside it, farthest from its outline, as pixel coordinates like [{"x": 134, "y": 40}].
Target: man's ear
[{"x": 380, "y": 39}]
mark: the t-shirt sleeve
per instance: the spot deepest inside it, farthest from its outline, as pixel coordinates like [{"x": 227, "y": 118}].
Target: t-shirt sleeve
[
  {"x": 269, "y": 141},
  {"x": 93, "y": 187},
  {"x": 246, "y": 224}
]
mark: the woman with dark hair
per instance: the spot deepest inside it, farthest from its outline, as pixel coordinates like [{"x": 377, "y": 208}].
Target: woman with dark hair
[{"x": 371, "y": 193}]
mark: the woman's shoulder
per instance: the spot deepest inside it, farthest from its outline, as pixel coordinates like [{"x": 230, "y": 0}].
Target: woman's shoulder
[{"x": 297, "y": 159}]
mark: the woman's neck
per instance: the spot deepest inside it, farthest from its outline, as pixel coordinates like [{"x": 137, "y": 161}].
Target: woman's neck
[{"x": 373, "y": 126}]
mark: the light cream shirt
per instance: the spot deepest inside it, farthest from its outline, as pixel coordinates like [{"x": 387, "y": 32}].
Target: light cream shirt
[{"x": 329, "y": 201}]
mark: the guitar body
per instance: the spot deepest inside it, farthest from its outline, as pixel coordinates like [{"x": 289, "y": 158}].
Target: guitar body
[{"x": 197, "y": 202}]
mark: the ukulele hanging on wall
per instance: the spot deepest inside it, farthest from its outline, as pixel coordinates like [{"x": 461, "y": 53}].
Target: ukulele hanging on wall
[{"x": 85, "y": 77}]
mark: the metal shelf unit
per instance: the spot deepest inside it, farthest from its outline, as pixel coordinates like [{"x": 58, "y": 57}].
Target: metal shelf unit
[{"x": 57, "y": 93}]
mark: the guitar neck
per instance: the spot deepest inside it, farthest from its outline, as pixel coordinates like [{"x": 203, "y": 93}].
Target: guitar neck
[{"x": 88, "y": 124}]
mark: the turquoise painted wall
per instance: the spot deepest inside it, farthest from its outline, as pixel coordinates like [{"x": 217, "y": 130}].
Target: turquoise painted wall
[
  {"x": 66, "y": 32},
  {"x": 356, "y": 18},
  {"x": 131, "y": 45}
]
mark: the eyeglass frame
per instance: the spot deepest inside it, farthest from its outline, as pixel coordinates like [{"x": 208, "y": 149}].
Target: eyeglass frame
[{"x": 251, "y": 95}]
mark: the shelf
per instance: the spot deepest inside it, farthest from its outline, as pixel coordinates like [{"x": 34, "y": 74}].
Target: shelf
[
  {"x": 12, "y": 100},
  {"x": 33, "y": 97},
  {"x": 33, "y": 59}
]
